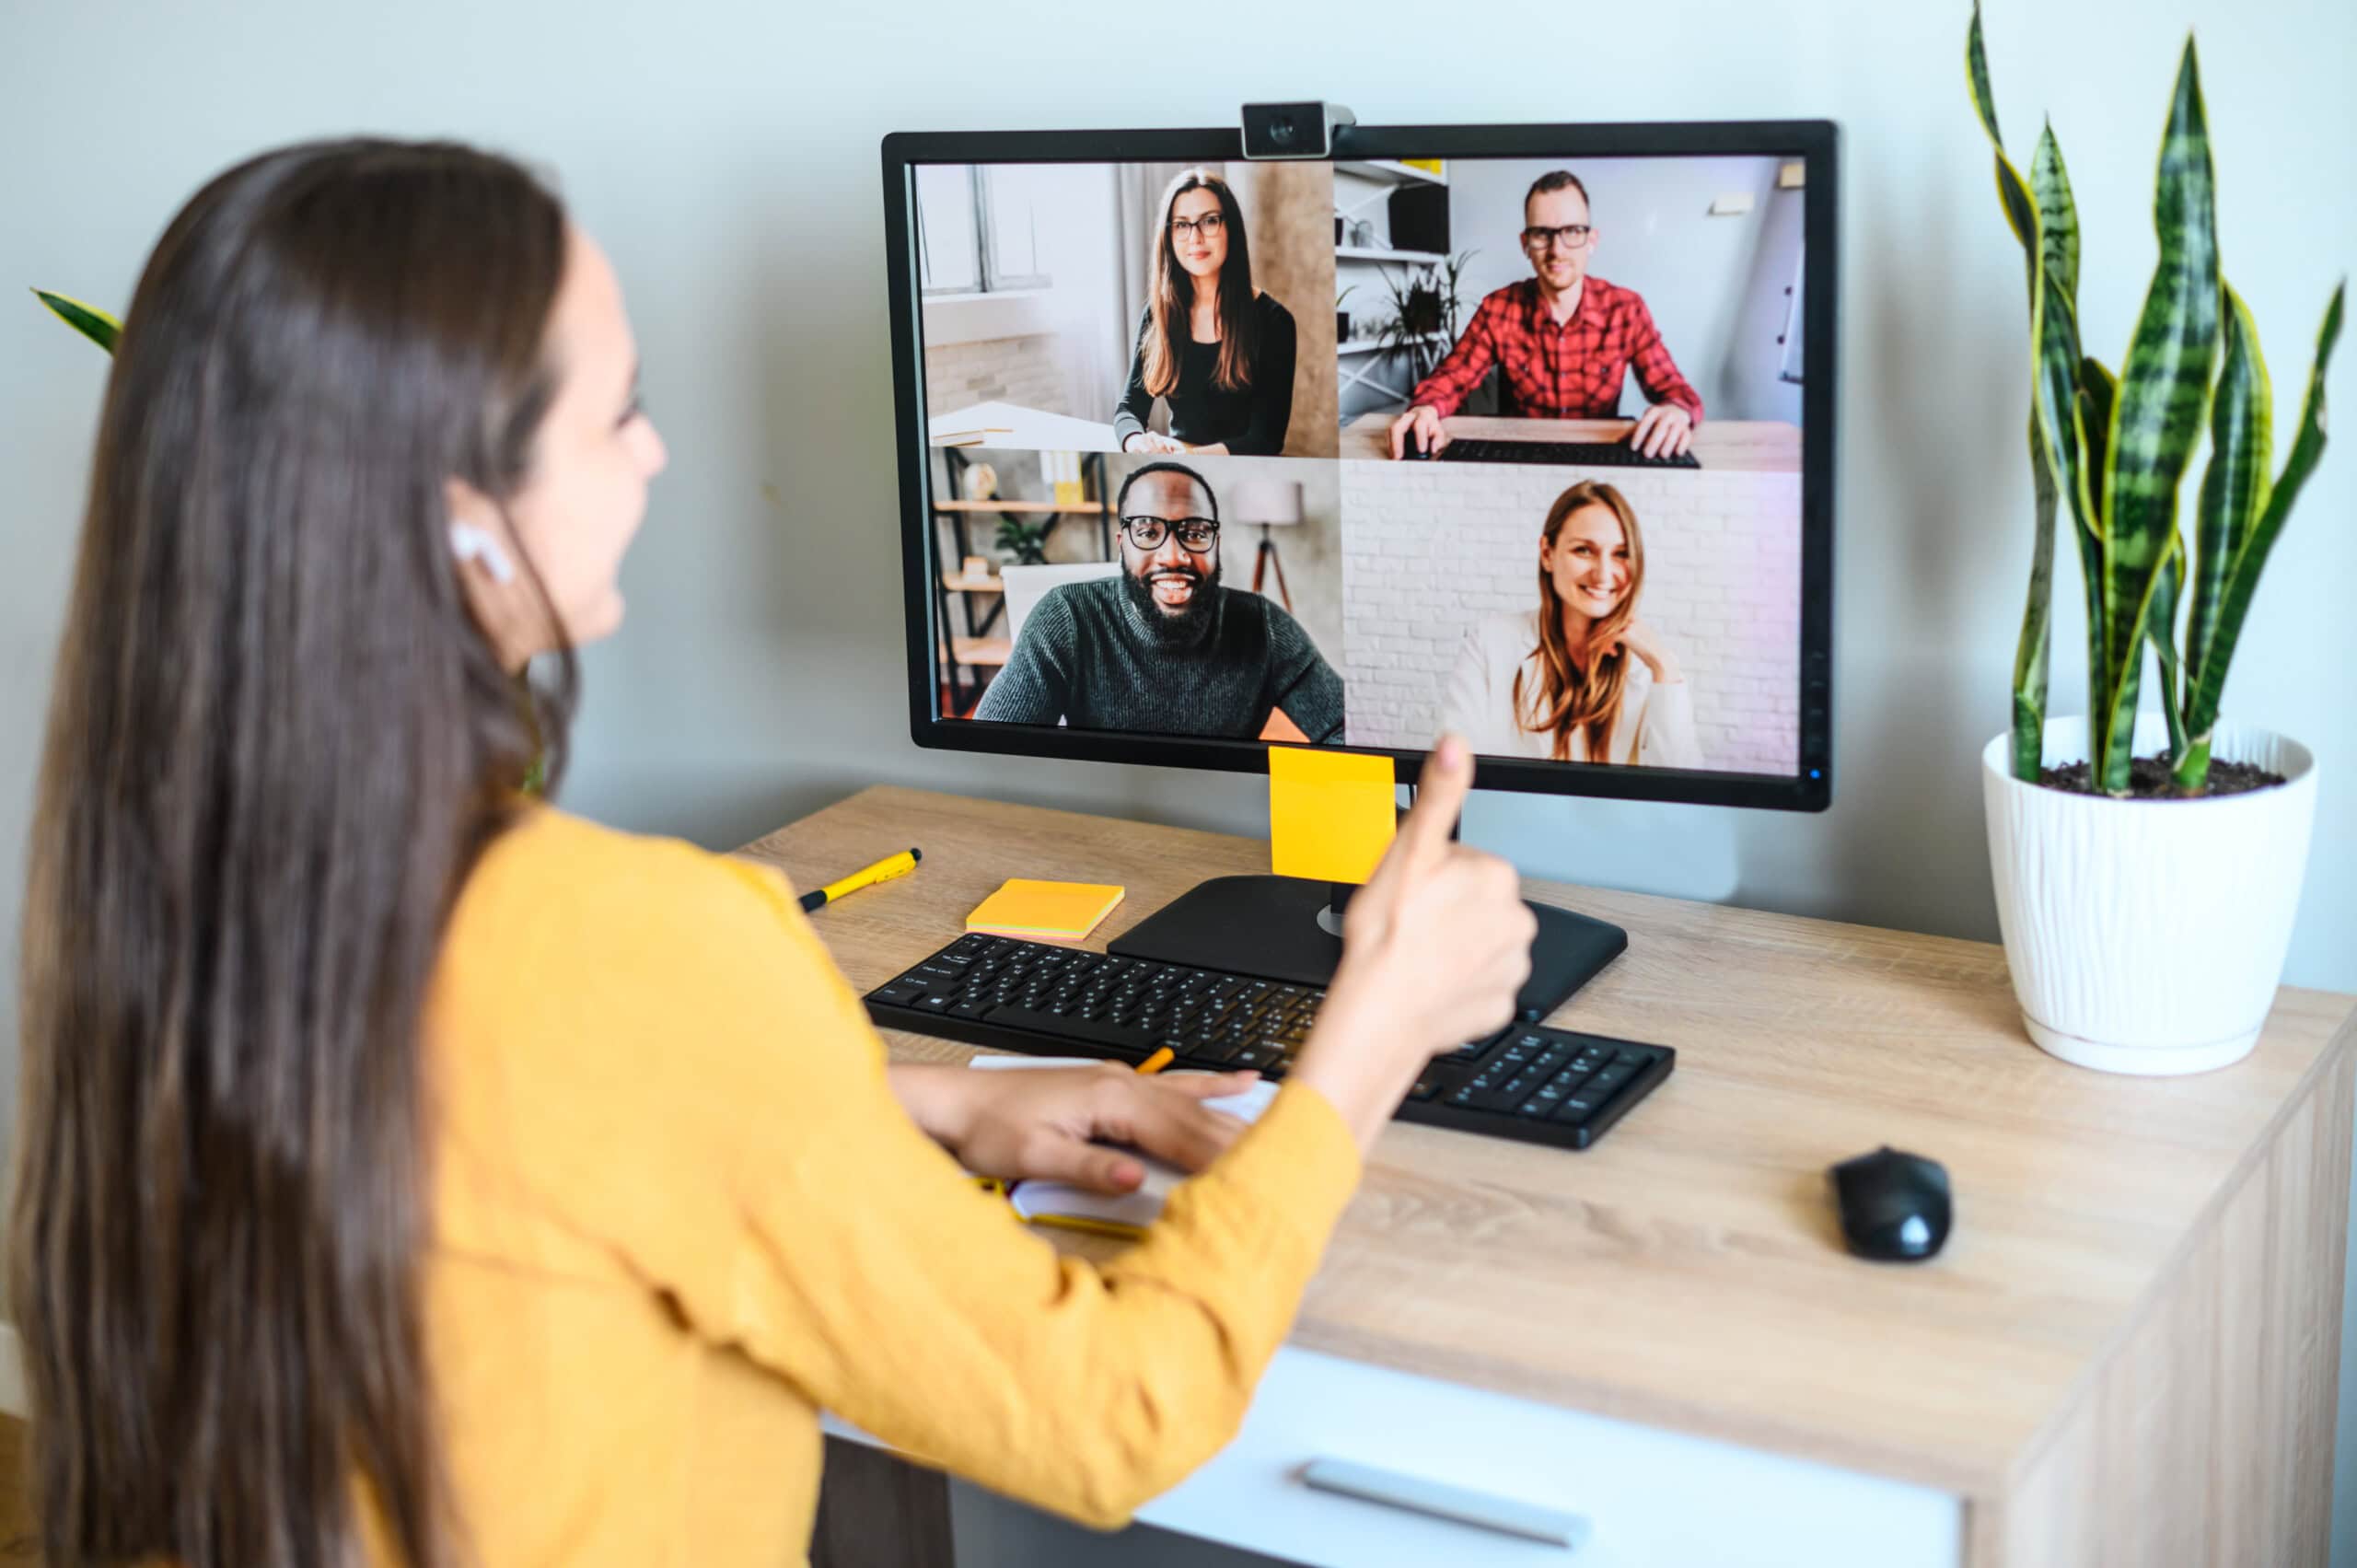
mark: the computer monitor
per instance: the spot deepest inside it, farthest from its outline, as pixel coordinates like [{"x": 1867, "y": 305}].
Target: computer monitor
[{"x": 1554, "y": 469}]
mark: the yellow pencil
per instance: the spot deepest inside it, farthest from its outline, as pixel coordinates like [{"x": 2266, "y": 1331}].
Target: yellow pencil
[
  {"x": 1163, "y": 1057},
  {"x": 1113, "y": 1228}
]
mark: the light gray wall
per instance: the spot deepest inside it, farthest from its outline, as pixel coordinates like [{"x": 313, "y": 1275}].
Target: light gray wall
[{"x": 726, "y": 154}]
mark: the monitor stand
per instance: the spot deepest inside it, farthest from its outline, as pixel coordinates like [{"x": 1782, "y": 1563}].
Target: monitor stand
[{"x": 1289, "y": 929}]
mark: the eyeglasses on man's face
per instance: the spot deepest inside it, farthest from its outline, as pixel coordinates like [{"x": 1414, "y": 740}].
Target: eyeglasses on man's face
[
  {"x": 1570, "y": 237},
  {"x": 1208, "y": 226},
  {"x": 1197, "y": 534}
]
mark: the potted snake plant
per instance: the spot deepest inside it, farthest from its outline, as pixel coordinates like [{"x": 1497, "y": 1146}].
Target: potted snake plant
[{"x": 2147, "y": 862}]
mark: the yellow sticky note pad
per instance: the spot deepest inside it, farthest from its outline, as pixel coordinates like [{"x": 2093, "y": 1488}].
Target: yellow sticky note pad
[
  {"x": 1330, "y": 813},
  {"x": 1044, "y": 911}
]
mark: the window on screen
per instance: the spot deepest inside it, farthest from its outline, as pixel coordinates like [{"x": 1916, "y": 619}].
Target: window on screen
[{"x": 978, "y": 229}]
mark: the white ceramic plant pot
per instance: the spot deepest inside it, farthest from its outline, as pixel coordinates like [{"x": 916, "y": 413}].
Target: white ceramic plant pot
[{"x": 2148, "y": 936}]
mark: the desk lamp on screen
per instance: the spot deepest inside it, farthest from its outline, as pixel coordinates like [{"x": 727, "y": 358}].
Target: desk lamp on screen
[{"x": 1528, "y": 402}]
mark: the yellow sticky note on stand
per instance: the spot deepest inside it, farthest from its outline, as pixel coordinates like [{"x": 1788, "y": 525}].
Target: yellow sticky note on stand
[
  {"x": 1044, "y": 911},
  {"x": 1332, "y": 814}
]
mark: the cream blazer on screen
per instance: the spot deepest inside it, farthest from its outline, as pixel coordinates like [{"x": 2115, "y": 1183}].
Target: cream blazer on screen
[{"x": 1656, "y": 728}]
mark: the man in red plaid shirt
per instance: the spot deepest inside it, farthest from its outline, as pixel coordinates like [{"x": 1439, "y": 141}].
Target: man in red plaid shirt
[{"x": 1563, "y": 340}]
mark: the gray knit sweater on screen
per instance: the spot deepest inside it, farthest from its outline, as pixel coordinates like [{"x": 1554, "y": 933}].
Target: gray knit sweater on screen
[{"x": 1087, "y": 656}]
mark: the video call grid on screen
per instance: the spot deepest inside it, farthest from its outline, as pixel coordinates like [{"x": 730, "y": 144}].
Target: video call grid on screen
[{"x": 1293, "y": 565}]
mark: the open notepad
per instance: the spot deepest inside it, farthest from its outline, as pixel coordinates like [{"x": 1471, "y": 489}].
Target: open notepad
[{"x": 1061, "y": 1205}]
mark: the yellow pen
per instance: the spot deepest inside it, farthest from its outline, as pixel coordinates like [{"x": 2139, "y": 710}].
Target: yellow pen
[
  {"x": 1162, "y": 1058},
  {"x": 884, "y": 870}
]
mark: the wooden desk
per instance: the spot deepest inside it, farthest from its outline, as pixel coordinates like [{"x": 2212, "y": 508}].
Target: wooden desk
[
  {"x": 1733, "y": 445},
  {"x": 2131, "y": 1340}
]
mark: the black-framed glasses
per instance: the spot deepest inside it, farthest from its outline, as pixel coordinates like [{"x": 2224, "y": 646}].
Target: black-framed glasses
[
  {"x": 1208, "y": 226},
  {"x": 1197, "y": 534},
  {"x": 1570, "y": 237}
]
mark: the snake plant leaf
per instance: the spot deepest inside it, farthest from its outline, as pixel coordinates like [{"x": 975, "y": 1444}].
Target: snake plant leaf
[
  {"x": 2241, "y": 575},
  {"x": 2164, "y": 394},
  {"x": 2054, "y": 316},
  {"x": 2091, "y": 416},
  {"x": 2046, "y": 221},
  {"x": 1976, "y": 70},
  {"x": 2234, "y": 486},
  {"x": 2160, "y": 626},
  {"x": 2013, "y": 193},
  {"x": 2054, "y": 465},
  {"x": 87, "y": 320},
  {"x": 2033, "y": 651},
  {"x": 2053, "y": 439},
  {"x": 2058, "y": 215},
  {"x": 2098, "y": 391}
]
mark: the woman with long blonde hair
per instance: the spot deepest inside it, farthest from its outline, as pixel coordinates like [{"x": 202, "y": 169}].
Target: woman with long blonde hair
[
  {"x": 1581, "y": 679},
  {"x": 1219, "y": 353}
]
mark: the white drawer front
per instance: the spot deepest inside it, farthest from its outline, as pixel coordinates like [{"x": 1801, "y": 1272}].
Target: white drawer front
[{"x": 1650, "y": 1498}]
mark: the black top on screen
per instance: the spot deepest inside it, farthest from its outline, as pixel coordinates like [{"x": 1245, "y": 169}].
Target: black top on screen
[{"x": 1251, "y": 421}]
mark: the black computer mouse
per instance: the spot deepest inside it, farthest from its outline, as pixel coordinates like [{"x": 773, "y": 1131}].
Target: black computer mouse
[
  {"x": 1894, "y": 1206},
  {"x": 1417, "y": 449}
]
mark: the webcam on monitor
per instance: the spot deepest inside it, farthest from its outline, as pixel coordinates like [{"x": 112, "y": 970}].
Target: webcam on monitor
[{"x": 1294, "y": 130}]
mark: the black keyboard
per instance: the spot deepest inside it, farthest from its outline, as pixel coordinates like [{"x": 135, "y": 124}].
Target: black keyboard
[
  {"x": 1539, "y": 1084},
  {"x": 1585, "y": 454}
]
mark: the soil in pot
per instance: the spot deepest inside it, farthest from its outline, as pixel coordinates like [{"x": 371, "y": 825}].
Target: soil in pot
[{"x": 2153, "y": 778}]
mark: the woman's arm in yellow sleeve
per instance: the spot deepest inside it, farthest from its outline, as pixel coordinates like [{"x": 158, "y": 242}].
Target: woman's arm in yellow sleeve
[{"x": 859, "y": 1264}]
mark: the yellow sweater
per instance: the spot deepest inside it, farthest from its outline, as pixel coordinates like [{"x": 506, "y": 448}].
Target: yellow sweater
[{"x": 678, "y": 1211}]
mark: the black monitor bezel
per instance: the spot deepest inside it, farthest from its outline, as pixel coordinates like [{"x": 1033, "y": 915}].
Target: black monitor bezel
[{"x": 1816, "y": 142}]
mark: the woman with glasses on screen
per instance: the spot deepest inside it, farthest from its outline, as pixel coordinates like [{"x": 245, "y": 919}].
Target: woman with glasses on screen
[
  {"x": 1218, "y": 353},
  {"x": 409, "y": 1171},
  {"x": 1581, "y": 679}
]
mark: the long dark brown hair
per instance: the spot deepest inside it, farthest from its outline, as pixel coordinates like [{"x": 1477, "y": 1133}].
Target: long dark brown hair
[
  {"x": 1582, "y": 695},
  {"x": 1173, "y": 296},
  {"x": 277, "y": 742}
]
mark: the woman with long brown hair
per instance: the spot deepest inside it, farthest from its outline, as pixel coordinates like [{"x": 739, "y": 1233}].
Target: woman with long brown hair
[
  {"x": 410, "y": 1172},
  {"x": 1219, "y": 353},
  {"x": 1581, "y": 679}
]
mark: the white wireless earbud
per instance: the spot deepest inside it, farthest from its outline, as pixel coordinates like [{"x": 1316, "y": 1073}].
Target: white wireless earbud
[{"x": 471, "y": 543}]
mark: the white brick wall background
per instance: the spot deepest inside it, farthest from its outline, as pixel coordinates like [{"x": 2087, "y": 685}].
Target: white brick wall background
[
  {"x": 1011, "y": 370},
  {"x": 1428, "y": 547}
]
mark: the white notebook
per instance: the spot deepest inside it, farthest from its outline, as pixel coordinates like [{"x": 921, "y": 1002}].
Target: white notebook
[{"x": 1061, "y": 1203}]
